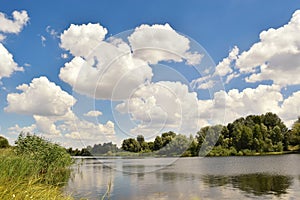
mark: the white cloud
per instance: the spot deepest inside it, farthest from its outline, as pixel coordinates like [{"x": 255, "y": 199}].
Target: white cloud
[
  {"x": 43, "y": 40},
  {"x": 264, "y": 98},
  {"x": 80, "y": 40},
  {"x": 162, "y": 105},
  {"x": 231, "y": 76},
  {"x": 50, "y": 107},
  {"x": 64, "y": 56},
  {"x": 290, "y": 109},
  {"x": 46, "y": 125},
  {"x": 40, "y": 97},
  {"x": 161, "y": 43},
  {"x": 84, "y": 130},
  {"x": 206, "y": 85},
  {"x": 7, "y": 63},
  {"x": 223, "y": 69},
  {"x": 14, "y": 25},
  {"x": 52, "y": 32},
  {"x": 276, "y": 55},
  {"x": 2, "y": 37},
  {"x": 113, "y": 69},
  {"x": 111, "y": 73},
  {"x": 93, "y": 113},
  {"x": 15, "y": 130}
]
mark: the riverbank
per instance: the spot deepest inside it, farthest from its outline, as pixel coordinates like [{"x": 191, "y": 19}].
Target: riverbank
[
  {"x": 213, "y": 153},
  {"x": 21, "y": 179},
  {"x": 34, "y": 169}
]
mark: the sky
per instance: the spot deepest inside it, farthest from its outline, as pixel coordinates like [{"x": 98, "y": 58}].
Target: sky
[{"x": 81, "y": 73}]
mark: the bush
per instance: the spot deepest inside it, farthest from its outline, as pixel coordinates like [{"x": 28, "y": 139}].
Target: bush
[
  {"x": 3, "y": 142},
  {"x": 50, "y": 159}
]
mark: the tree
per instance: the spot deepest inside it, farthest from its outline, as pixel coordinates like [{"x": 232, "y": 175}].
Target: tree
[
  {"x": 246, "y": 138},
  {"x": 140, "y": 139},
  {"x": 257, "y": 132},
  {"x": 167, "y": 137},
  {"x": 294, "y": 138},
  {"x": 144, "y": 147},
  {"x": 130, "y": 145},
  {"x": 158, "y": 144},
  {"x": 3, "y": 142},
  {"x": 193, "y": 148},
  {"x": 176, "y": 147},
  {"x": 151, "y": 146}
]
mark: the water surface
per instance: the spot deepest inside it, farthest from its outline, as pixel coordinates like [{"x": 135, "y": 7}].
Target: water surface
[{"x": 247, "y": 177}]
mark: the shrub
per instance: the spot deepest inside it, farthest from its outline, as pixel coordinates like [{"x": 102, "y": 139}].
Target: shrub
[
  {"x": 3, "y": 142},
  {"x": 50, "y": 159}
]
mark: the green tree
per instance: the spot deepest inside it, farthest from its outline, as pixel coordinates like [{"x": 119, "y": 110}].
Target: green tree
[
  {"x": 158, "y": 144},
  {"x": 294, "y": 137},
  {"x": 151, "y": 146},
  {"x": 176, "y": 147},
  {"x": 46, "y": 154},
  {"x": 130, "y": 145},
  {"x": 140, "y": 139},
  {"x": 167, "y": 137},
  {"x": 257, "y": 132},
  {"x": 246, "y": 139}
]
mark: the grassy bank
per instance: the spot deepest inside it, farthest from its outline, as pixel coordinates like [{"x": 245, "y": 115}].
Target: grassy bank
[{"x": 34, "y": 169}]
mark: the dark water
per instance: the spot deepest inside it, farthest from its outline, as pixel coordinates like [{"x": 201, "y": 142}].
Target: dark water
[{"x": 257, "y": 177}]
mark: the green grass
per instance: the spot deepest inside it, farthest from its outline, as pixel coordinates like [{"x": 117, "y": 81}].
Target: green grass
[
  {"x": 34, "y": 169},
  {"x": 20, "y": 178}
]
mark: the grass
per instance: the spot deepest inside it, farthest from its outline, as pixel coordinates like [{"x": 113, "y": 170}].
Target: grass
[
  {"x": 20, "y": 178},
  {"x": 34, "y": 169}
]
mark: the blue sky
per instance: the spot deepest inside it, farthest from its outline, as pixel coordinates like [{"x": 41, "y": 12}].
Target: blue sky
[{"x": 218, "y": 26}]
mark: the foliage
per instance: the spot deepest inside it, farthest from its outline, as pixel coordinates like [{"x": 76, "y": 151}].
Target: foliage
[
  {"x": 3, "y": 142},
  {"x": 97, "y": 149},
  {"x": 130, "y": 145},
  {"x": 176, "y": 147},
  {"x": 254, "y": 134},
  {"x": 51, "y": 160},
  {"x": 26, "y": 172},
  {"x": 294, "y": 134}
]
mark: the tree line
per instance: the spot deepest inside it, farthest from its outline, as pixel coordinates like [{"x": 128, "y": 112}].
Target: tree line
[{"x": 253, "y": 134}]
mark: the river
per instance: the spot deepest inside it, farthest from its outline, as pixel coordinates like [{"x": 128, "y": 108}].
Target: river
[{"x": 245, "y": 177}]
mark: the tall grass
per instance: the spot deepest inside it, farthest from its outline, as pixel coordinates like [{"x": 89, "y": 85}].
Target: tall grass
[{"x": 34, "y": 169}]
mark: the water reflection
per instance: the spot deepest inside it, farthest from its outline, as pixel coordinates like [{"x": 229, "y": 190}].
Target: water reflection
[
  {"x": 257, "y": 184},
  {"x": 187, "y": 178}
]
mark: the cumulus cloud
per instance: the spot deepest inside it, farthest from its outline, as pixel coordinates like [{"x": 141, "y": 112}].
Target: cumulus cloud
[
  {"x": 110, "y": 73},
  {"x": 46, "y": 125},
  {"x": 290, "y": 109},
  {"x": 162, "y": 105},
  {"x": 2, "y": 37},
  {"x": 161, "y": 43},
  {"x": 276, "y": 56},
  {"x": 15, "y": 130},
  {"x": 14, "y": 25},
  {"x": 113, "y": 69},
  {"x": 7, "y": 63},
  {"x": 235, "y": 104},
  {"x": 84, "y": 130},
  {"x": 80, "y": 40},
  {"x": 93, "y": 113},
  {"x": 50, "y": 107},
  {"x": 223, "y": 69},
  {"x": 40, "y": 97}
]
